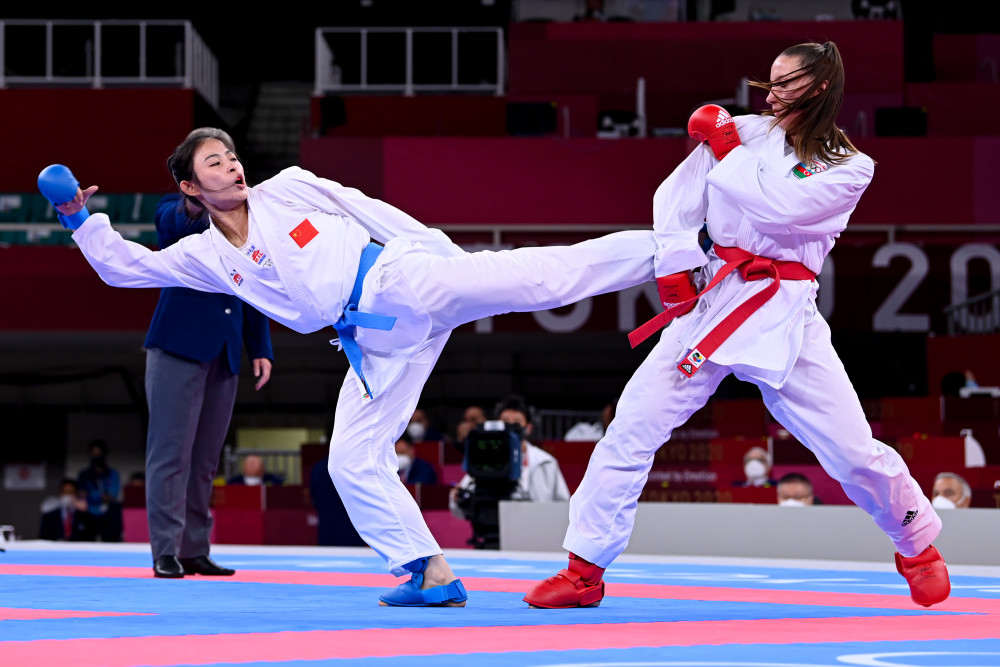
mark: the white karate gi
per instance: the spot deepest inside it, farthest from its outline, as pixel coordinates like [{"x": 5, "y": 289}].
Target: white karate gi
[
  {"x": 751, "y": 200},
  {"x": 301, "y": 274}
]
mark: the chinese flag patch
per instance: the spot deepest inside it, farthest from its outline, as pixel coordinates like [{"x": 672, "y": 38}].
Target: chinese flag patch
[{"x": 304, "y": 233}]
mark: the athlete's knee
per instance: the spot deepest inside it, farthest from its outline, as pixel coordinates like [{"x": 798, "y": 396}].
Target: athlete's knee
[
  {"x": 338, "y": 464},
  {"x": 350, "y": 462},
  {"x": 631, "y": 443}
]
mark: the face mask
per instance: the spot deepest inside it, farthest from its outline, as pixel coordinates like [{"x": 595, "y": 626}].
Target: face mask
[
  {"x": 67, "y": 501},
  {"x": 791, "y": 502},
  {"x": 942, "y": 503},
  {"x": 755, "y": 469},
  {"x": 416, "y": 431},
  {"x": 404, "y": 461}
]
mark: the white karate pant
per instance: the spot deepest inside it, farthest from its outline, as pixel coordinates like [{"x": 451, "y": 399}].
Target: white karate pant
[
  {"x": 818, "y": 405},
  {"x": 454, "y": 291}
]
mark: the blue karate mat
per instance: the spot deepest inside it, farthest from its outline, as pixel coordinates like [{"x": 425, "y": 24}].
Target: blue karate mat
[{"x": 318, "y": 606}]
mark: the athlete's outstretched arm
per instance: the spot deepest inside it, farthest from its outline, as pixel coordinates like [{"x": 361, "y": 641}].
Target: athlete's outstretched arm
[
  {"x": 383, "y": 221},
  {"x": 118, "y": 262}
]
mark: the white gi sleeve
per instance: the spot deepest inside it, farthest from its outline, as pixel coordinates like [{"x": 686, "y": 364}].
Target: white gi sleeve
[
  {"x": 122, "y": 263},
  {"x": 774, "y": 204},
  {"x": 679, "y": 208},
  {"x": 382, "y": 221}
]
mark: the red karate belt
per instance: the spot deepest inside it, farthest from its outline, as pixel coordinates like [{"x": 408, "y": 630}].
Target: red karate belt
[{"x": 751, "y": 267}]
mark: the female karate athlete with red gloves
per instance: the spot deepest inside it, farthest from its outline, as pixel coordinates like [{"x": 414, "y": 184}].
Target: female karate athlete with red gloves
[
  {"x": 776, "y": 190},
  {"x": 299, "y": 248}
]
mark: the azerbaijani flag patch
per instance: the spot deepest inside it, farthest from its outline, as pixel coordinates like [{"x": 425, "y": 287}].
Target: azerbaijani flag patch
[
  {"x": 304, "y": 233},
  {"x": 803, "y": 170}
]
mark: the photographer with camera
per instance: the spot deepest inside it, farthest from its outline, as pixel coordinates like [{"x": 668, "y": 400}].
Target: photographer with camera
[{"x": 501, "y": 464}]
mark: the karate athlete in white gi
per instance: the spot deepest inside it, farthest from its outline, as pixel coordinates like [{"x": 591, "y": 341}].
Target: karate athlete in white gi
[
  {"x": 299, "y": 249},
  {"x": 774, "y": 204}
]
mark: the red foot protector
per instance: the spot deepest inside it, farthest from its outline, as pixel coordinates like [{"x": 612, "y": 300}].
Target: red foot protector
[
  {"x": 581, "y": 585},
  {"x": 927, "y": 575}
]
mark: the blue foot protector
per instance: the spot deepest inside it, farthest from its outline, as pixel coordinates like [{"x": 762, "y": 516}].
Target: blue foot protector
[{"x": 409, "y": 593}]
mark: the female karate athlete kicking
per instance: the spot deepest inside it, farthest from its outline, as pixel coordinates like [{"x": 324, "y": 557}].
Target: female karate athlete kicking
[
  {"x": 776, "y": 191},
  {"x": 299, "y": 249}
]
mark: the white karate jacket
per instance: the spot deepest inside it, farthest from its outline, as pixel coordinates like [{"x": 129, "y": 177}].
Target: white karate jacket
[
  {"x": 312, "y": 231},
  {"x": 753, "y": 200}
]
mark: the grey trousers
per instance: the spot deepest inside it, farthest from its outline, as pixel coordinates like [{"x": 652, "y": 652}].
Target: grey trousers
[{"x": 190, "y": 407}]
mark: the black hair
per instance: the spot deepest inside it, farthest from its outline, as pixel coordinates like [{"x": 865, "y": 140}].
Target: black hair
[
  {"x": 518, "y": 404},
  {"x": 181, "y": 161},
  {"x": 796, "y": 477}
]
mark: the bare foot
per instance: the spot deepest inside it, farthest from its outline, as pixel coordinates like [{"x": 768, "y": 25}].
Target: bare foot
[{"x": 437, "y": 573}]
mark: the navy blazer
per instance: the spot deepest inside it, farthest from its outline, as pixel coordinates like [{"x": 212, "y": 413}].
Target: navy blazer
[
  {"x": 199, "y": 326},
  {"x": 84, "y": 526},
  {"x": 420, "y": 472}
]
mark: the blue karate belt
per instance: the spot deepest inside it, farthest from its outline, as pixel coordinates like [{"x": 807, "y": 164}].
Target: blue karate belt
[{"x": 352, "y": 317}]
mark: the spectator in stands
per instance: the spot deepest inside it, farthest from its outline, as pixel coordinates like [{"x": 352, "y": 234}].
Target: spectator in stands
[
  {"x": 608, "y": 414},
  {"x": 584, "y": 432},
  {"x": 70, "y": 521},
  {"x": 255, "y": 474},
  {"x": 951, "y": 491},
  {"x": 413, "y": 469},
  {"x": 101, "y": 485},
  {"x": 795, "y": 490},
  {"x": 137, "y": 478},
  {"x": 954, "y": 382},
  {"x": 394, "y": 293},
  {"x": 193, "y": 351},
  {"x": 591, "y": 432},
  {"x": 757, "y": 468},
  {"x": 334, "y": 528},
  {"x": 541, "y": 479},
  {"x": 421, "y": 430},
  {"x": 471, "y": 418},
  {"x": 593, "y": 10},
  {"x": 876, "y": 9}
]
